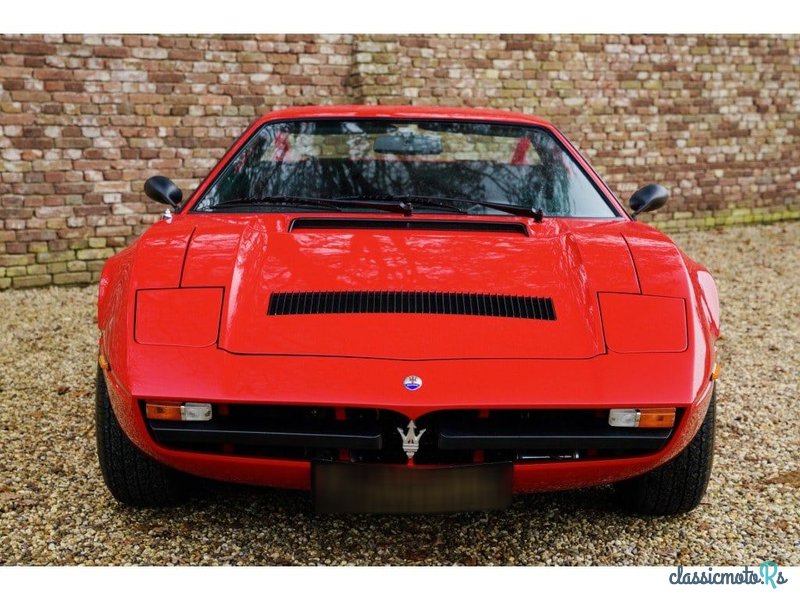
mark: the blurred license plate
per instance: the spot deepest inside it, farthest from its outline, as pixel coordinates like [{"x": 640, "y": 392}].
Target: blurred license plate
[{"x": 366, "y": 488}]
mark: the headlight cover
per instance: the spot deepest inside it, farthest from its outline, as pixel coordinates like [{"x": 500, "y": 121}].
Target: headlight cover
[
  {"x": 187, "y": 317},
  {"x": 635, "y": 323}
]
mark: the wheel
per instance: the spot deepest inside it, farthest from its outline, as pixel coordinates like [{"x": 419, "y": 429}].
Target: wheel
[
  {"x": 132, "y": 477},
  {"x": 677, "y": 486}
]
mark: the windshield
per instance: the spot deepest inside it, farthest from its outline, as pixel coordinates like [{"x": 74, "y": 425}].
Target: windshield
[{"x": 383, "y": 160}]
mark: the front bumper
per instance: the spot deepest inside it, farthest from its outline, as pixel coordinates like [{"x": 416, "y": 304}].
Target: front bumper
[{"x": 302, "y": 381}]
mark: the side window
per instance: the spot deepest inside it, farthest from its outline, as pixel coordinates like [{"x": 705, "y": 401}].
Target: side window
[
  {"x": 240, "y": 177},
  {"x": 567, "y": 189}
]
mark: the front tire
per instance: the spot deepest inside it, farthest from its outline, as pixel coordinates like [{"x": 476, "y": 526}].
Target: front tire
[
  {"x": 679, "y": 485},
  {"x": 132, "y": 477}
]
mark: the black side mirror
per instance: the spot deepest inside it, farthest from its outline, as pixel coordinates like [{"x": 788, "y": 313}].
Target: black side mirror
[
  {"x": 650, "y": 197},
  {"x": 163, "y": 190}
]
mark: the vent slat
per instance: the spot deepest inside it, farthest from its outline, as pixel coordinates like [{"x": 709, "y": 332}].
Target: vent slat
[
  {"x": 525, "y": 312},
  {"x": 314, "y": 304},
  {"x": 535, "y": 308},
  {"x": 360, "y": 301},
  {"x": 435, "y": 303}
]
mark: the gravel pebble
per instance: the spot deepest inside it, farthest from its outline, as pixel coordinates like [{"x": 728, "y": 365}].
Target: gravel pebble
[{"x": 54, "y": 508}]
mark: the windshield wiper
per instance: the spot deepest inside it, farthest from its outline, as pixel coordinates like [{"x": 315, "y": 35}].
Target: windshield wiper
[
  {"x": 444, "y": 202},
  {"x": 411, "y": 201},
  {"x": 397, "y": 204},
  {"x": 337, "y": 204},
  {"x": 248, "y": 201}
]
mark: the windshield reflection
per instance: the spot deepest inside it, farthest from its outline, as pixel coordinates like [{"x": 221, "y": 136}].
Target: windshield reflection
[{"x": 381, "y": 160}]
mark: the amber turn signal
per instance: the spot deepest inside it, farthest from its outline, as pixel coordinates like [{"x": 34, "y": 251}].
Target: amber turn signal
[
  {"x": 163, "y": 412},
  {"x": 715, "y": 373},
  {"x": 656, "y": 417}
]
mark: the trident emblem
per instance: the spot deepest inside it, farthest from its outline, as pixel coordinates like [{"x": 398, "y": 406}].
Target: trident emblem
[{"x": 410, "y": 439}]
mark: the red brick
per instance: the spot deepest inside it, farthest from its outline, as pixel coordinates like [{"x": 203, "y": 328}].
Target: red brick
[{"x": 86, "y": 122}]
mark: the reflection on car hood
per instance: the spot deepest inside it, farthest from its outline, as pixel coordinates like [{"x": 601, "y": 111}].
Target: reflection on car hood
[{"x": 254, "y": 256}]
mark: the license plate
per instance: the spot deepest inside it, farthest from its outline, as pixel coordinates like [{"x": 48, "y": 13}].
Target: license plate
[{"x": 369, "y": 488}]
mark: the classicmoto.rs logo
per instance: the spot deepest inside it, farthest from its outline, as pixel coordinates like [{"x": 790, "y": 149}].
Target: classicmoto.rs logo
[{"x": 768, "y": 573}]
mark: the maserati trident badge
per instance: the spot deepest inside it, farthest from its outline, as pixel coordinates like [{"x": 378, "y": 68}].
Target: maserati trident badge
[
  {"x": 412, "y": 383},
  {"x": 410, "y": 439}
]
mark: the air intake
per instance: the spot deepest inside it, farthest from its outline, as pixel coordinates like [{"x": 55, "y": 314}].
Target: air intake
[
  {"x": 469, "y": 225},
  {"x": 437, "y": 303}
]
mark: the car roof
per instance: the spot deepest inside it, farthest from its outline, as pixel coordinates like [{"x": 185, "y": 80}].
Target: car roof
[{"x": 403, "y": 112}]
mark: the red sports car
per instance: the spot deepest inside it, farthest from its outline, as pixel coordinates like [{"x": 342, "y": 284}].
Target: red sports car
[{"x": 406, "y": 309}]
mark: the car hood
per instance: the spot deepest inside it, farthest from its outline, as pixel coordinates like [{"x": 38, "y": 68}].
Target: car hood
[{"x": 252, "y": 257}]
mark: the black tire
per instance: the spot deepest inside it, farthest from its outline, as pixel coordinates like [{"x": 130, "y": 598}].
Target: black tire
[
  {"x": 132, "y": 477},
  {"x": 679, "y": 485}
]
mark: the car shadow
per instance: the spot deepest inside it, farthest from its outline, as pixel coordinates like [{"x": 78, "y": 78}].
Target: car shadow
[{"x": 275, "y": 526}]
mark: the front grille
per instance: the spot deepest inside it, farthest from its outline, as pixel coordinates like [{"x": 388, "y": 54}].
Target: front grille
[
  {"x": 439, "y": 303},
  {"x": 370, "y": 435}
]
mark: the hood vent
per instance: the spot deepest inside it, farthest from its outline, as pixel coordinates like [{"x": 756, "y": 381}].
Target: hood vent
[
  {"x": 410, "y": 225},
  {"x": 437, "y": 303}
]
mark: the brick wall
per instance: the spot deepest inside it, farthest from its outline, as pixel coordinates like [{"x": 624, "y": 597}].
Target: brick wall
[{"x": 84, "y": 120}]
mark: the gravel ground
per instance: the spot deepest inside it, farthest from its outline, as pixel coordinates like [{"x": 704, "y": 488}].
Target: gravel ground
[{"x": 54, "y": 508}]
